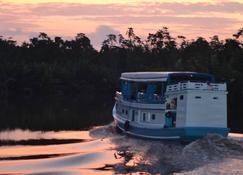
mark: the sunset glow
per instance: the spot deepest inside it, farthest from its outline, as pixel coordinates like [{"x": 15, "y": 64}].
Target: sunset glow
[
  {"x": 22, "y": 19},
  {"x": 103, "y": 2}
]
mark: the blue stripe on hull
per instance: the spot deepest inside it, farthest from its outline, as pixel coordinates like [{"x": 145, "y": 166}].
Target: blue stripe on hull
[
  {"x": 187, "y": 133},
  {"x": 197, "y": 132},
  {"x": 165, "y": 132}
]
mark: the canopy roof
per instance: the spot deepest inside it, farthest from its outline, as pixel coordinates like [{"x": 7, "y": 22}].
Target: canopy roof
[{"x": 156, "y": 76}]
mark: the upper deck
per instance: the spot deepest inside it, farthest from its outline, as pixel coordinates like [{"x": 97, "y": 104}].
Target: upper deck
[
  {"x": 150, "y": 87},
  {"x": 181, "y": 86}
]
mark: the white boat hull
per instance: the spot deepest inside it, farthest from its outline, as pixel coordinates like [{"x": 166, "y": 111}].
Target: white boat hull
[{"x": 185, "y": 133}]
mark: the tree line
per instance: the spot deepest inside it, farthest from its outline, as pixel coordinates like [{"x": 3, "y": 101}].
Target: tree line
[{"x": 55, "y": 67}]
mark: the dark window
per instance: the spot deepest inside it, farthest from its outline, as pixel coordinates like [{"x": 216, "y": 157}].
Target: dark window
[
  {"x": 215, "y": 98},
  {"x": 158, "y": 88},
  {"x": 144, "y": 116},
  {"x": 133, "y": 115},
  {"x": 198, "y": 97},
  {"x": 123, "y": 111},
  {"x": 181, "y": 97},
  {"x": 153, "y": 116},
  {"x": 133, "y": 118},
  {"x": 142, "y": 87},
  {"x": 126, "y": 112}
]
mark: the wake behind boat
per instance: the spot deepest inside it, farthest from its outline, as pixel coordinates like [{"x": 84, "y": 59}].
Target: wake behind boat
[{"x": 171, "y": 105}]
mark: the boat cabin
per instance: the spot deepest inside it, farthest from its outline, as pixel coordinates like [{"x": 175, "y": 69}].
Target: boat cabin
[{"x": 150, "y": 87}]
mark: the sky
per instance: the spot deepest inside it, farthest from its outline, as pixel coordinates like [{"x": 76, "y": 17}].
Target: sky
[{"x": 23, "y": 19}]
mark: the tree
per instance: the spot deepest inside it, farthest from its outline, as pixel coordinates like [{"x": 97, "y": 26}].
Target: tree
[
  {"x": 161, "y": 39},
  {"x": 132, "y": 42},
  {"x": 109, "y": 43}
]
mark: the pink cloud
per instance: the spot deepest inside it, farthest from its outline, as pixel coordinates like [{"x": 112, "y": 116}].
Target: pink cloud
[
  {"x": 190, "y": 18},
  {"x": 100, "y": 35},
  {"x": 76, "y": 9}
]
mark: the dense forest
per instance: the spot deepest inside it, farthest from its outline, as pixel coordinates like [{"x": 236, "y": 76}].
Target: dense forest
[{"x": 74, "y": 72}]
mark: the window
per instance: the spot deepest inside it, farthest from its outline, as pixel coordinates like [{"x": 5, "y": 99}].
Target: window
[
  {"x": 126, "y": 112},
  {"x": 144, "y": 116},
  {"x": 133, "y": 115},
  {"x": 198, "y": 97},
  {"x": 153, "y": 116},
  {"x": 123, "y": 111},
  {"x": 158, "y": 88},
  {"x": 133, "y": 118},
  {"x": 215, "y": 98},
  {"x": 181, "y": 97}
]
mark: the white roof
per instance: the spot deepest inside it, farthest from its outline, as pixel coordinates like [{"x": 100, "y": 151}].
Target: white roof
[
  {"x": 145, "y": 76},
  {"x": 148, "y": 76}
]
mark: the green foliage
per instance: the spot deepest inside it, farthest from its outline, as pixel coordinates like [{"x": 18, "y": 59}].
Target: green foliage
[{"x": 68, "y": 68}]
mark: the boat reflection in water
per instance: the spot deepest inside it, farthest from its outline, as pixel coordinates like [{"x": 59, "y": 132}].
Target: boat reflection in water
[{"x": 103, "y": 151}]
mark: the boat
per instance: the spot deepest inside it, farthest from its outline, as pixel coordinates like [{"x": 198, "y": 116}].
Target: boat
[{"x": 171, "y": 105}]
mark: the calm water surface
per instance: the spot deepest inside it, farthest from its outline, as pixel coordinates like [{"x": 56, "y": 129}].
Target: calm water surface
[{"x": 102, "y": 150}]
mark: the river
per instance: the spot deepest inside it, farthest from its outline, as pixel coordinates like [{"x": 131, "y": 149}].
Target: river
[{"x": 101, "y": 150}]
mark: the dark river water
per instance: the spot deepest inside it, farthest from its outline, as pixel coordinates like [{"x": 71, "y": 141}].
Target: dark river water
[
  {"x": 101, "y": 150},
  {"x": 58, "y": 136}
]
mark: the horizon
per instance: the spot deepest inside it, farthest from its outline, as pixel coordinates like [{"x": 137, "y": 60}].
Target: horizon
[{"x": 97, "y": 18}]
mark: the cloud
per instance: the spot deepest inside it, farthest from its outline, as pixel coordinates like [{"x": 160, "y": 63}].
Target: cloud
[
  {"x": 67, "y": 19},
  {"x": 100, "y": 35},
  {"x": 77, "y": 9},
  {"x": 185, "y": 8},
  {"x": 16, "y": 27},
  {"x": 199, "y": 21}
]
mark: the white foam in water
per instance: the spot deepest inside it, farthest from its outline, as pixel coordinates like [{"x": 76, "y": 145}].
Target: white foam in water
[
  {"x": 103, "y": 131},
  {"x": 171, "y": 157},
  {"x": 108, "y": 152}
]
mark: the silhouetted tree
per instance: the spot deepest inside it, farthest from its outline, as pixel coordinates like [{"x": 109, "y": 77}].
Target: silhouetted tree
[{"x": 73, "y": 69}]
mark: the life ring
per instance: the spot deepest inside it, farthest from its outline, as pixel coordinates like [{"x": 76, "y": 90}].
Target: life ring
[{"x": 126, "y": 125}]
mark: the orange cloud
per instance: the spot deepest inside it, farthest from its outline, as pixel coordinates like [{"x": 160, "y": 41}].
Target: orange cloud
[{"x": 190, "y": 18}]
